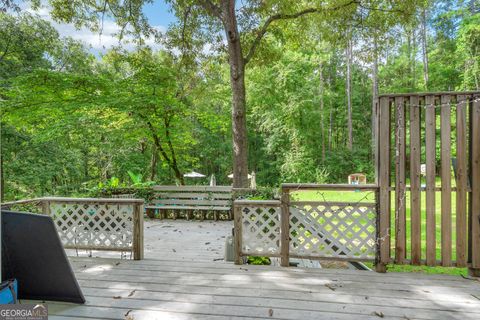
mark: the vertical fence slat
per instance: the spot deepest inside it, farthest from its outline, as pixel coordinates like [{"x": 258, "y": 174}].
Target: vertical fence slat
[
  {"x": 430, "y": 179},
  {"x": 475, "y": 195},
  {"x": 415, "y": 173},
  {"x": 384, "y": 184},
  {"x": 285, "y": 229},
  {"x": 237, "y": 233},
  {"x": 461, "y": 182},
  {"x": 400, "y": 210},
  {"x": 446, "y": 176}
]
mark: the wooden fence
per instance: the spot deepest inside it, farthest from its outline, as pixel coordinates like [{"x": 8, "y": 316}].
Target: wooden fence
[
  {"x": 92, "y": 223},
  {"x": 313, "y": 229},
  {"x": 437, "y": 130}
]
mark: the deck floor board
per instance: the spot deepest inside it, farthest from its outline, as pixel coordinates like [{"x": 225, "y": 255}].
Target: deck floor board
[{"x": 182, "y": 278}]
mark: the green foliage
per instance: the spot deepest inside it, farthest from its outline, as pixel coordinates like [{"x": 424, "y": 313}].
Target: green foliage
[
  {"x": 73, "y": 123},
  {"x": 259, "y": 260},
  {"x": 138, "y": 192},
  {"x": 468, "y": 49},
  {"x": 261, "y": 193},
  {"x": 343, "y": 162}
]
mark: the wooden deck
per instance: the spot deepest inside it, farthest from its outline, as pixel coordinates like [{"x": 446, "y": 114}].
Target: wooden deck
[{"x": 181, "y": 278}]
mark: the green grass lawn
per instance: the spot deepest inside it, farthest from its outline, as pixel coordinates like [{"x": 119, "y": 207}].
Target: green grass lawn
[{"x": 352, "y": 196}]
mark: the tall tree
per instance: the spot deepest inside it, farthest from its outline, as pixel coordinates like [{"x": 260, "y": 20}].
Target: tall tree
[
  {"x": 226, "y": 12},
  {"x": 424, "y": 48},
  {"x": 243, "y": 29},
  {"x": 374, "y": 89},
  {"x": 348, "y": 79}
]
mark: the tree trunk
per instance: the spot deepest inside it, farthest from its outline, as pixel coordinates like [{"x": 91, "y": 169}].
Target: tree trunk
[
  {"x": 424, "y": 48},
  {"x": 330, "y": 130},
  {"x": 2, "y": 180},
  {"x": 411, "y": 56},
  {"x": 349, "y": 95},
  {"x": 374, "y": 90},
  {"x": 86, "y": 174},
  {"x": 237, "y": 81},
  {"x": 153, "y": 164},
  {"x": 171, "y": 163},
  {"x": 322, "y": 127},
  {"x": 414, "y": 62}
]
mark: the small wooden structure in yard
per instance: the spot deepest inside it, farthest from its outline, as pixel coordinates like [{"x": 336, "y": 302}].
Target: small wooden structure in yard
[{"x": 357, "y": 178}]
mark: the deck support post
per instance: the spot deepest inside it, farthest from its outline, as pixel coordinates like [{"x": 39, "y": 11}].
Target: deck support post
[
  {"x": 285, "y": 229},
  {"x": 379, "y": 265},
  {"x": 474, "y": 205},
  {"x": 137, "y": 245},
  {"x": 237, "y": 234},
  {"x": 383, "y": 196}
]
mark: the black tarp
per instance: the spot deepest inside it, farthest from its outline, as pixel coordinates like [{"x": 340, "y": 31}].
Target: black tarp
[{"x": 33, "y": 254}]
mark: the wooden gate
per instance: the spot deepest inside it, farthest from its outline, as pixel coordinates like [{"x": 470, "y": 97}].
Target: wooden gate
[{"x": 434, "y": 221}]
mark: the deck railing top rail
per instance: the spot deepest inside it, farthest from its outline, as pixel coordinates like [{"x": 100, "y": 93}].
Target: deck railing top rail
[
  {"x": 344, "y": 187},
  {"x": 257, "y": 202},
  {"x": 192, "y": 188},
  {"x": 77, "y": 200},
  {"x": 17, "y": 202},
  {"x": 90, "y": 200},
  {"x": 421, "y": 94}
]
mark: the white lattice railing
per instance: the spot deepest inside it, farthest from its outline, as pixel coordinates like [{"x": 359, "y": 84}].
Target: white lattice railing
[
  {"x": 98, "y": 224},
  {"x": 91, "y": 223},
  {"x": 307, "y": 229},
  {"x": 259, "y": 226},
  {"x": 332, "y": 230}
]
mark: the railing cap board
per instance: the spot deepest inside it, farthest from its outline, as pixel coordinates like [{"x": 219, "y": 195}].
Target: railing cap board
[
  {"x": 314, "y": 186},
  {"x": 440, "y": 93},
  {"x": 193, "y": 188},
  {"x": 334, "y": 203},
  {"x": 95, "y": 200},
  {"x": 257, "y": 202},
  {"x": 63, "y": 199},
  {"x": 11, "y": 203}
]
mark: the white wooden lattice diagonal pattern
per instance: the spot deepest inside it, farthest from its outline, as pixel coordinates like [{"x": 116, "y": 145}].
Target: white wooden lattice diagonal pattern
[
  {"x": 326, "y": 230},
  {"x": 260, "y": 230},
  {"x": 96, "y": 226}
]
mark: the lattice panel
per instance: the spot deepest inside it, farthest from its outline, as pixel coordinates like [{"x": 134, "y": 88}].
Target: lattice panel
[
  {"x": 261, "y": 230},
  {"x": 330, "y": 230},
  {"x": 103, "y": 226}
]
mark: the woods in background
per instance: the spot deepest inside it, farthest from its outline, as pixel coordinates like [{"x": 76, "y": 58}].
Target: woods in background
[{"x": 71, "y": 120}]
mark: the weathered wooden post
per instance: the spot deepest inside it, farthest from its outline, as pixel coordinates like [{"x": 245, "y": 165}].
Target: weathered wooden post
[
  {"x": 474, "y": 250},
  {"x": 461, "y": 181},
  {"x": 45, "y": 206},
  {"x": 237, "y": 233},
  {"x": 138, "y": 231},
  {"x": 285, "y": 228},
  {"x": 383, "y": 163}
]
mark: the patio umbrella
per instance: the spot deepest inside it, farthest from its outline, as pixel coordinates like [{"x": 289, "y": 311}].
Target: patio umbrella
[
  {"x": 231, "y": 176},
  {"x": 194, "y": 174},
  {"x": 253, "y": 181},
  {"x": 213, "y": 180}
]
